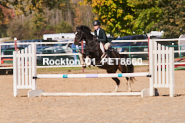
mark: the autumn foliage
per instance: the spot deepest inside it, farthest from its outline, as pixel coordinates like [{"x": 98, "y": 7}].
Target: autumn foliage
[{"x": 118, "y": 17}]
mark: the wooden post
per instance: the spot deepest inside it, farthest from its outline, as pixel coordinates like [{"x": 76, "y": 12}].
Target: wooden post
[
  {"x": 151, "y": 66},
  {"x": 172, "y": 80},
  {"x": 15, "y": 41},
  {"x": 15, "y": 75},
  {"x": 34, "y": 64}
]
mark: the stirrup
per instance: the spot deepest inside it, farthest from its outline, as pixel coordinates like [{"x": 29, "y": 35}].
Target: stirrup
[
  {"x": 108, "y": 52},
  {"x": 104, "y": 55}
]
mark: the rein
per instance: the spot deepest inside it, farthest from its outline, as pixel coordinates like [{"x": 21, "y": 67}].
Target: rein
[{"x": 80, "y": 39}]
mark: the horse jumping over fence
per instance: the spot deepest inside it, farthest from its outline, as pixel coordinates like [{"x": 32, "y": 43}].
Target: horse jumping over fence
[{"x": 93, "y": 51}]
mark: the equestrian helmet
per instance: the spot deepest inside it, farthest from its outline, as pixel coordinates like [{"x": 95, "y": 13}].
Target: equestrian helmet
[{"x": 96, "y": 23}]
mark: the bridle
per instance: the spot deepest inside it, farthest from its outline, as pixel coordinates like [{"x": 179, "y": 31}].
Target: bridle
[
  {"x": 94, "y": 41},
  {"x": 80, "y": 36}
]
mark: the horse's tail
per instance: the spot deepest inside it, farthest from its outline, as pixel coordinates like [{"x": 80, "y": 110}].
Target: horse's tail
[{"x": 130, "y": 67}]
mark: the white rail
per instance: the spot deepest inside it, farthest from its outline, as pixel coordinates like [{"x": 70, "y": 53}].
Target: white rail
[
  {"x": 175, "y": 39},
  {"x": 65, "y": 54},
  {"x": 129, "y": 41}
]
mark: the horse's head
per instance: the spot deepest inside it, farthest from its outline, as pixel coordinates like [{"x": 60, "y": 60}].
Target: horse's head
[
  {"x": 78, "y": 36},
  {"x": 80, "y": 33}
]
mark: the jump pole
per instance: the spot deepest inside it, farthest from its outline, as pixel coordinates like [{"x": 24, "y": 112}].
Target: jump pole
[
  {"x": 92, "y": 75},
  {"x": 143, "y": 93}
]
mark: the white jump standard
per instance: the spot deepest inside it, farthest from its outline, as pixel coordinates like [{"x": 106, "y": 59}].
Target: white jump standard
[{"x": 25, "y": 74}]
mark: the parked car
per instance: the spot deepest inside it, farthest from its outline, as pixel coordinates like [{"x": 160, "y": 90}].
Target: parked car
[
  {"x": 9, "y": 51},
  {"x": 56, "y": 49},
  {"x": 124, "y": 46}
]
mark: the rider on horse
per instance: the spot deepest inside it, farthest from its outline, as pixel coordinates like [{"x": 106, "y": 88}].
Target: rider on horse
[
  {"x": 101, "y": 37},
  {"x": 93, "y": 51}
]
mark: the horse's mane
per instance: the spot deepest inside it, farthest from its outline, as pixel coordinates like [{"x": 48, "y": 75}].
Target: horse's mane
[
  {"x": 83, "y": 28},
  {"x": 87, "y": 29}
]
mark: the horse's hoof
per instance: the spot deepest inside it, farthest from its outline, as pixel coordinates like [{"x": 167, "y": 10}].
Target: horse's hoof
[
  {"x": 83, "y": 64},
  {"x": 129, "y": 90}
]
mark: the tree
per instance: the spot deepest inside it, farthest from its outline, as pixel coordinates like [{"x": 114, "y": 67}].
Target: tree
[
  {"x": 33, "y": 7},
  {"x": 116, "y": 15},
  {"x": 29, "y": 6},
  {"x": 16, "y": 30},
  {"x": 172, "y": 18},
  {"x": 39, "y": 23},
  {"x": 84, "y": 14},
  {"x": 166, "y": 15},
  {"x": 63, "y": 27},
  {"x": 6, "y": 14}
]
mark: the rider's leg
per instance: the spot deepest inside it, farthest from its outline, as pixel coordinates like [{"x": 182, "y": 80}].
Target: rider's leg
[
  {"x": 102, "y": 48},
  {"x": 107, "y": 45}
]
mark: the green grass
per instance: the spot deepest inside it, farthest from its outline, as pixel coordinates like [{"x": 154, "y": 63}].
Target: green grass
[
  {"x": 179, "y": 57},
  {"x": 59, "y": 69},
  {"x": 42, "y": 70}
]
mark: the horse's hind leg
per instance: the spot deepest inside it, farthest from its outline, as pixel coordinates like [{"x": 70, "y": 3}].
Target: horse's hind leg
[
  {"x": 123, "y": 69},
  {"x": 117, "y": 84},
  {"x": 115, "y": 79},
  {"x": 129, "y": 84}
]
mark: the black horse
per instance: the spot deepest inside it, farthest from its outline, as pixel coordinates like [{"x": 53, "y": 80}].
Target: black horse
[{"x": 93, "y": 51}]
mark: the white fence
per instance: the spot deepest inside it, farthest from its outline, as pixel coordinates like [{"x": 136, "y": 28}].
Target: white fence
[
  {"x": 63, "y": 54},
  {"x": 25, "y": 72}
]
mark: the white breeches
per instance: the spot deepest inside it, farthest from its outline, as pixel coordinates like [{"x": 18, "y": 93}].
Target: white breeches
[
  {"x": 107, "y": 45},
  {"x": 102, "y": 48}
]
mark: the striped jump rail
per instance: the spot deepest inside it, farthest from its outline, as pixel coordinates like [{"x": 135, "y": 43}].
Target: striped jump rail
[{"x": 92, "y": 75}]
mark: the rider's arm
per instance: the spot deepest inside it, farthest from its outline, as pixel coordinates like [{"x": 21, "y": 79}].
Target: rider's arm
[{"x": 104, "y": 38}]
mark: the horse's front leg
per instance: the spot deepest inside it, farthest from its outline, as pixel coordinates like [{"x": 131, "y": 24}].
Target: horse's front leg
[
  {"x": 87, "y": 61},
  {"x": 81, "y": 59}
]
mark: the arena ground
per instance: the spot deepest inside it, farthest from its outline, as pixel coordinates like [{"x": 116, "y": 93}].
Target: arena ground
[{"x": 110, "y": 109}]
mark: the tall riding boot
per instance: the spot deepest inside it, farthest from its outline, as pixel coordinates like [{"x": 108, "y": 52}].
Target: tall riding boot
[{"x": 108, "y": 53}]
